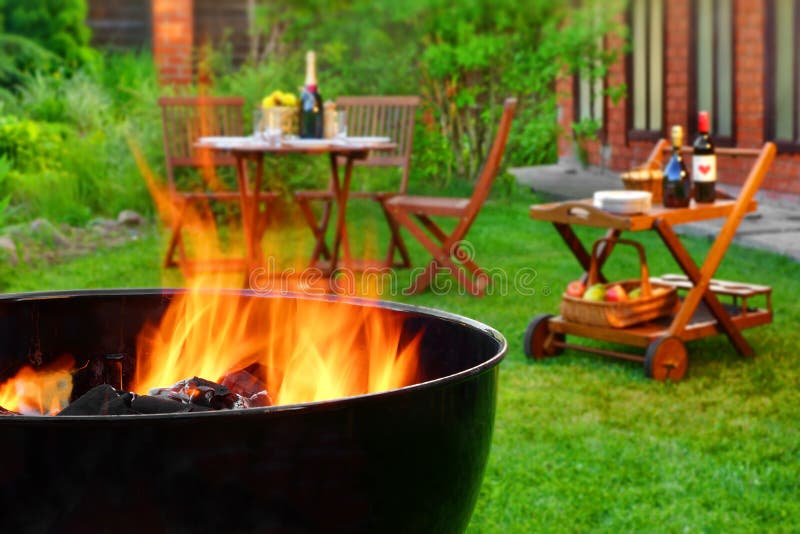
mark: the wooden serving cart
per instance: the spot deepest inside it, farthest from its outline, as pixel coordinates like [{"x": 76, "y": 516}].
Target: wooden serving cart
[{"x": 700, "y": 313}]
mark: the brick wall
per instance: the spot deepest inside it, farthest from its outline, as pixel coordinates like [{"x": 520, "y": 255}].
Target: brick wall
[
  {"x": 173, "y": 37},
  {"x": 783, "y": 180}
]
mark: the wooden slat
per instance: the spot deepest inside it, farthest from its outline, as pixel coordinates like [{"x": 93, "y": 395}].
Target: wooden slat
[
  {"x": 583, "y": 212},
  {"x": 724, "y": 287}
]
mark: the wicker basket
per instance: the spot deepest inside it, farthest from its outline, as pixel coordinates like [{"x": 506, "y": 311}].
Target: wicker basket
[
  {"x": 644, "y": 179},
  {"x": 655, "y": 301}
]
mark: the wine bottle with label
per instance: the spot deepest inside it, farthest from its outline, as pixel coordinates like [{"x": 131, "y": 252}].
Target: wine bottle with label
[
  {"x": 676, "y": 182},
  {"x": 311, "y": 111},
  {"x": 704, "y": 162}
]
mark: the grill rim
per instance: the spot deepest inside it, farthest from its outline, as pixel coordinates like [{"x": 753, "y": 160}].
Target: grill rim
[{"x": 278, "y": 410}]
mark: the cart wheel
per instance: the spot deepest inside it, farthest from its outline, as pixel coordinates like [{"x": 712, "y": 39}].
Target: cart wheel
[
  {"x": 666, "y": 359},
  {"x": 536, "y": 338}
]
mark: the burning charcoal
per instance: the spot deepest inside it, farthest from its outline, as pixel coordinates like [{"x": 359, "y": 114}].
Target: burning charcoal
[
  {"x": 243, "y": 383},
  {"x": 3, "y": 412},
  {"x": 247, "y": 385},
  {"x": 261, "y": 398},
  {"x": 100, "y": 400},
  {"x": 199, "y": 391},
  {"x": 148, "y": 404}
]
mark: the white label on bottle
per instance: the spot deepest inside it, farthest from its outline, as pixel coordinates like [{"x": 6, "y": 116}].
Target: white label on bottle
[{"x": 704, "y": 168}]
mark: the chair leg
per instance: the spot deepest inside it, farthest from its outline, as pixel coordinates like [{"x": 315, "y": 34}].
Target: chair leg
[
  {"x": 175, "y": 240},
  {"x": 442, "y": 257},
  {"x": 264, "y": 217},
  {"x": 318, "y": 228},
  {"x": 423, "y": 280},
  {"x": 478, "y": 274},
  {"x": 432, "y": 227},
  {"x": 396, "y": 243}
]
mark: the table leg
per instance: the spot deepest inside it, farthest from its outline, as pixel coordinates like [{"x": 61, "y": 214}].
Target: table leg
[
  {"x": 243, "y": 181},
  {"x": 583, "y": 256},
  {"x": 701, "y": 278},
  {"x": 252, "y": 226},
  {"x": 256, "y": 227},
  {"x": 340, "y": 192}
]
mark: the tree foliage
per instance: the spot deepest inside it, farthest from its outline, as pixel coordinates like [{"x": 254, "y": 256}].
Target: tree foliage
[
  {"x": 57, "y": 25},
  {"x": 463, "y": 57}
]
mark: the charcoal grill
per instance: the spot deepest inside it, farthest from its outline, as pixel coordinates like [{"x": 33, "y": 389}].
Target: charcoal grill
[{"x": 405, "y": 460}]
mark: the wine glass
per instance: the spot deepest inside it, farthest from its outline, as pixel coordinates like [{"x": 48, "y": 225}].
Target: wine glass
[
  {"x": 258, "y": 123},
  {"x": 341, "y": 125},
  {"x": 273, "y": 118}
]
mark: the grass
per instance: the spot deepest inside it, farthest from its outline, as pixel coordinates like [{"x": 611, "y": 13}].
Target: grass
[{"x": 583, "y": 443}]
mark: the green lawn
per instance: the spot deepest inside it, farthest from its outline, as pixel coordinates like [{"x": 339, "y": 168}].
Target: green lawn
[{"x": 584, "y": 443}]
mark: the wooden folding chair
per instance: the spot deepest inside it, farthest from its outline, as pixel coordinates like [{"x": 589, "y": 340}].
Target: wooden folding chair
[
  {"x": 186, "y": 119},
  {"x": 448, "y": 249},
  {"x": 372, "y": 116}
]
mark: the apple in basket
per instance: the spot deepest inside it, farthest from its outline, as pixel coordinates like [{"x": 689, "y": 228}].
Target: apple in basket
[
  {"x": 596, "y": 293},
  {"x": 616, "y": 293},
  {"x": 576, "y": 289}
]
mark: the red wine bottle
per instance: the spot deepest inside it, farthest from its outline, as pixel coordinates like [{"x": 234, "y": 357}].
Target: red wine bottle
[
  {"x": 704, "y": 162},
  {"x": 676, "y": 183},
  {"x": 311, "y": 112}
]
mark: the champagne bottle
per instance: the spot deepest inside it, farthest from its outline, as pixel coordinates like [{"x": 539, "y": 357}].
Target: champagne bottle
[
  {"x": 311, "y": 112},
  {"x": 677, "y": 186},
  {"x": 704, "y": 162}
]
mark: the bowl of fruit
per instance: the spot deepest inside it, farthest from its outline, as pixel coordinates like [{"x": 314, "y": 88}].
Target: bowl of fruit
[{"x": 617, "y": 304}]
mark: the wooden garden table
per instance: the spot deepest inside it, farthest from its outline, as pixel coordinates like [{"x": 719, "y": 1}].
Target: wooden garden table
[
  {"x": 666, "y": 355},
  {"x": 254, "y": 220}
]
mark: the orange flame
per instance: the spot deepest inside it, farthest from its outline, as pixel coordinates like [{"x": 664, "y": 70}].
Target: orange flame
[
  {"x": 39, "y": 391},
  {"x": 310, "y": 350}
]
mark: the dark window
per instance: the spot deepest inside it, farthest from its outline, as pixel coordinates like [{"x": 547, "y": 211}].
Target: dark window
[
  {"x": 646, "y": 69},
  {"x": 782, "y": 77},
  {"x": 712, "y": 56}
]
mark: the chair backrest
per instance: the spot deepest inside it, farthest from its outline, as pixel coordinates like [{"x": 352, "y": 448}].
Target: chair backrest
[
  {"x": 383, "y": 116},
  {"x": 187, "y": 118},
  {"x": 492, "y": 164}
]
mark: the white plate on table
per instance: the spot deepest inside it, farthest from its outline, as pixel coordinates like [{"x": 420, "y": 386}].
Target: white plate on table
[{"x": 624, "y": 202}]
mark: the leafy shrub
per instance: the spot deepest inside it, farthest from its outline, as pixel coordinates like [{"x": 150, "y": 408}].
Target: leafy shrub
[
  {"x": 19, "y": 55},
  {"x": 32, "y": 145},
  {"x": 58, "y": 26},
  {"x": 463, "y": 57},
  {"x": 41, "y": 98}
]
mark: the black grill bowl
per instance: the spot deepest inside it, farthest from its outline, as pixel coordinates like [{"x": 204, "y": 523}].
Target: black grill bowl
[{"x": 406, "y": 460}]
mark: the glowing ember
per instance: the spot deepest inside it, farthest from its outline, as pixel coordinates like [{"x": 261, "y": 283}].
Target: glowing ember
[{"x": 39, "y": 391}]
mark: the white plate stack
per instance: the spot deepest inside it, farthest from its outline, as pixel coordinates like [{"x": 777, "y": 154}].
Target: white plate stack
[{"x": 625, "y": 202}]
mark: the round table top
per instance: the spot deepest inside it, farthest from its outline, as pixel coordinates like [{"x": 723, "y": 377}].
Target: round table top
[{"x": 308, "y": 146}]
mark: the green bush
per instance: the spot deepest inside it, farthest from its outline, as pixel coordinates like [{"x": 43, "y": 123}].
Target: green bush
[
  {"x": 69, "y": 141},
  {"x": 70, "y": 123},
  {"x": 58, "y": 26},
  {"x": 19, "y": 55},
  {"x": 463, "y": 58},
  {"x": 32, "y": 145}
]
